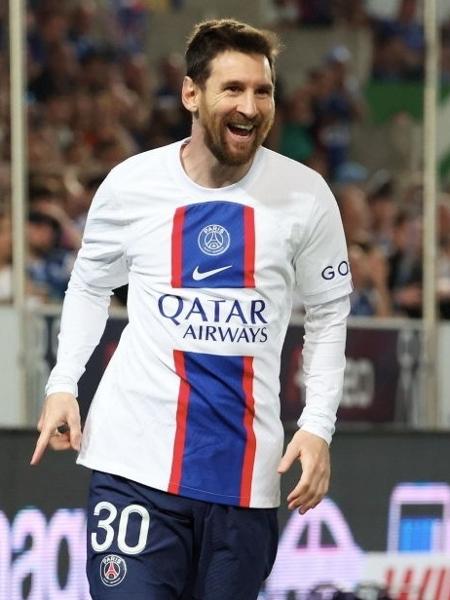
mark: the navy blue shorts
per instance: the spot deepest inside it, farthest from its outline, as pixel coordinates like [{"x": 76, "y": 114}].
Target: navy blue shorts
[{"x": 144, "y": 544}]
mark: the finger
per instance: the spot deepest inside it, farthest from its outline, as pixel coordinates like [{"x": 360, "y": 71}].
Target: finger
[
  {"x": 307, "y": 499},
  {"x": 301, "y": 490},
  {"x": 41, "y": 445},
  {"x": 40, "y": 424},
  {"x": 305, "y": 504},
  {"x": 307, "y": 483},
  {"x": 311, "y": 504},
  {"x": 60, "y": 442},
  {"x": 301, "y": 500},
  {"x": 305, "y": 491},
  {"x": 290, "y": 455},
  {"x": 75, "y": 432}
]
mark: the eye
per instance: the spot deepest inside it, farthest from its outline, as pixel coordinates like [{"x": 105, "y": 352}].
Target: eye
[{"x": 232, "y": 88}]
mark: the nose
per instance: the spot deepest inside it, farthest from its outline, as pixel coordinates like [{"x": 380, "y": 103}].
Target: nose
[{"x": 247, "y": 105}]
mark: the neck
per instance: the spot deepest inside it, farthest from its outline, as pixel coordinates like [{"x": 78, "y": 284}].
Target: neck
[{"x": 203, "y": 167}]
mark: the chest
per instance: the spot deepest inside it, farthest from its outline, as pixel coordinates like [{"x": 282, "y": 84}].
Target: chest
[{"x": 214, "y": 244}]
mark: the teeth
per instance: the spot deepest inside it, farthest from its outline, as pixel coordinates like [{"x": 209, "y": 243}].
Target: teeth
[{"x": 244, "y": 127}]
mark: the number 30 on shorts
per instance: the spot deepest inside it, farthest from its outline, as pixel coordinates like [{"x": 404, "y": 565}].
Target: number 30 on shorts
[{"x": 107, "y": 525}]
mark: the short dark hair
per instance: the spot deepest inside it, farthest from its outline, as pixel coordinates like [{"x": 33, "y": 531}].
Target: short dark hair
[{"x": 210, "y": 38}]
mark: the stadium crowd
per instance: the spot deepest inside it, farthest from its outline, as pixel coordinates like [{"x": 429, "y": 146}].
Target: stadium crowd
[{"x": 94, "y": 98}]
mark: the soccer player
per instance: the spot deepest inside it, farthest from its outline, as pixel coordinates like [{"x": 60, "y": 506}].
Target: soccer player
[{"x": 184, "y": 438}]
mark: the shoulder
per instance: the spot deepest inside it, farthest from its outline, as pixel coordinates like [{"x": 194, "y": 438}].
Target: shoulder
[
  {"x": 292, "y": 174},
  {"x": 291, "y": 186},
  {"x": 139, "y": 167}
]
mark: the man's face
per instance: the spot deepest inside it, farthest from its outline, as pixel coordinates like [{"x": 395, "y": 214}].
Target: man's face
[{"x": 236, "y": 106}]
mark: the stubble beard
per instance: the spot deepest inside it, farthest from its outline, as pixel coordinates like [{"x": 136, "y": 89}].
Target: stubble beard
[{"x": 215, "y": 140}]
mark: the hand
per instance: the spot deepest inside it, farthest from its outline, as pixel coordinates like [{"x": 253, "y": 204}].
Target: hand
[
  {"x": 59, "y": 409},
  {"x": 313, "y": 453}
]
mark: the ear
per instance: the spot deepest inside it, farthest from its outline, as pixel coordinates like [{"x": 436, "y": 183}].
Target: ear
[{"x": 190, "y": 95}]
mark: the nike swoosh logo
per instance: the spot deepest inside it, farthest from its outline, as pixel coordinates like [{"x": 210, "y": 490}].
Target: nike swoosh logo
[{"x": 197, "y": 276}]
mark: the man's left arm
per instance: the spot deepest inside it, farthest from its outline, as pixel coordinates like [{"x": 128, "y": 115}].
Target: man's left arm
[{"x": 323, "y": 368}]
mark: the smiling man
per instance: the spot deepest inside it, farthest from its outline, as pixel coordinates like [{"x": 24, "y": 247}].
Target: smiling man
[
  {"x": 231, "y": 98},
  {"x": 184, "y": 438}
]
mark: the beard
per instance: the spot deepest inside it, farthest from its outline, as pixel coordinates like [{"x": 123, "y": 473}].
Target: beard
[{"x": 215, "y": 132}]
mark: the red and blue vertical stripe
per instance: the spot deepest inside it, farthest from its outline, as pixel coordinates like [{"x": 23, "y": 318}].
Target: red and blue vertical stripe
[
  {"x": 215, "y": 445},
  {"x": 233, "y": 257}
]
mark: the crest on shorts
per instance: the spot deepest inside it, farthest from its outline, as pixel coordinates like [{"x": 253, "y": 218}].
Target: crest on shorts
[
  {"x": 113, "y": 569},
  {"x": 214, "y": 240}
]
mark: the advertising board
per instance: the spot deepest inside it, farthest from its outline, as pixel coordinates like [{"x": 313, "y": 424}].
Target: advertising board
[{"x": 385, "y": 524}]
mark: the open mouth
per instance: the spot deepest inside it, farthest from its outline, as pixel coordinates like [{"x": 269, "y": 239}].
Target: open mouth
[{"x": 243, "y": 131}]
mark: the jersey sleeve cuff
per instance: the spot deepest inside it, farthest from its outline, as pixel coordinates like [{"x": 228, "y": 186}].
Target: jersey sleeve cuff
[
  {"x": 316, "y": 429},
  {"x": 329, "y": 295},
  {"x": 67, "y": 388}
]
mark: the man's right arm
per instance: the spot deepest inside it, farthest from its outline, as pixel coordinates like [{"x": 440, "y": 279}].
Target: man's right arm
[{"x": 100, "y": 267}]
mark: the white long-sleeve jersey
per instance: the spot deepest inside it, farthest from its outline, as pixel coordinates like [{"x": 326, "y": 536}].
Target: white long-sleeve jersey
[{"x": 189, "y": 402}]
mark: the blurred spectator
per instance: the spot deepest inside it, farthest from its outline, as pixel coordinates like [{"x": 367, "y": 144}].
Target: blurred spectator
[
  {"x": 383, "y": 210},
  {"x": 48, "y": 27},
  {"x": 49, "y": 265},
  {"x": 318, "y": 161},
  {"x": 337, "y": 104},
  {"x": 351, "y": 173},
  {"x": 169, "y": 111},
  {"x": 399, "y": 45},
  {"x": 352, "y": 13},
  {"x": 138, "y": 76},
  {"x": 58, "y": 75},
  {"x": 370, "y": 296},
  {"x": 347, "y": 88},
  {"x": 280, "y": 13},
  {"x": 50, "y": 202},
  {"x": 405, "y": 265},
  {"x": 80, "y": 195},
  {"x": 355, "y": 214},
  {"x": 85, "y": 22},
  {"x": 44, "y": 151},
  {"x": 297, "y": 138},
  {"x": 94, "y": 99},
  {"x": 171, "y": 71},
  {"x": 315, "y": 12},
  {"x": 132, "y": 21}
]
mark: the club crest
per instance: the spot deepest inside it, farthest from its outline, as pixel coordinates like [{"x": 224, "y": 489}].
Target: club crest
[
  {"x": 113, "y": 569},
  {"x": 214, "y": 240}
]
